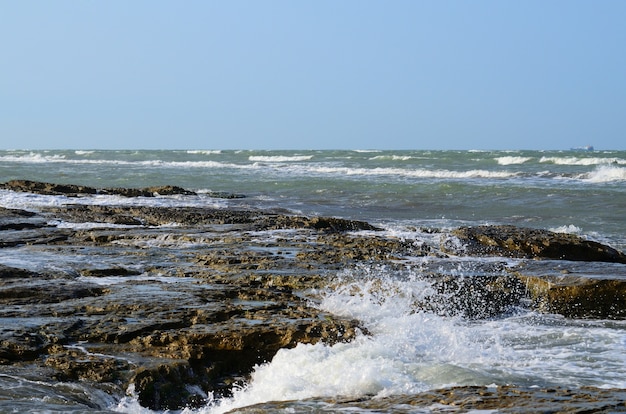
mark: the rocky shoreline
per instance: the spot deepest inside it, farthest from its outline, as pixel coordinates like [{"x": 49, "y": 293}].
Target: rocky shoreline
[{"x": 121, "y": 302}]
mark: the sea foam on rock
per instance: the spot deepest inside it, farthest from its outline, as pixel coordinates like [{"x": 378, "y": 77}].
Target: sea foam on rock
[{"x": 183, "y": 311}]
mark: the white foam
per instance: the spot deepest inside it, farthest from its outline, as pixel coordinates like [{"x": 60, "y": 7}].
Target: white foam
[
  {"x": 411, "y": 173},
  {"x": 28, "y": 201},
  {"x": 87, "y": 226},
  {"x": 116, "y": 280},
  {"x": 410, "y": 351},
  {"x": 33, "y": 157},
  {"x": 279, "y": 158},
  {"x": 582, "y": 161},
  {"x": 394, "y": 157},
  {"x": 605, "y": 174},
  {"x": 277, "y": 164},
  {"x": 511, "y": 160},
  {"x": 37, "y": 158},
  {"x": 570, "y": 229},
  {"x": 205, "y": 152}
]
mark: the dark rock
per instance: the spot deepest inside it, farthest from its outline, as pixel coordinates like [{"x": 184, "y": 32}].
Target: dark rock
[
  {"x": 8, "y": 272},
  {"x": 475, "y": 297},
  {"x": 47, "y": 293},
  {"x": 339, "y": 225},
  {"x": 511, "y": 241},
  {"x": 147, "y": 192},
  {"x": 110, "y": 271},
  {"x": 75, "y": 190},
  {"x": 16, "y": 220},
  {"x": 20, "y": 345},
  {"x": 47, "y": 188},
  {"x": 222, "y": 294},
  {"x": 593, "y": 290}
]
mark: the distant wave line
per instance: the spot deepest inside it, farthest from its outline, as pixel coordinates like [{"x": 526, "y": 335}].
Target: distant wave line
[
  {"x": 204, "y": 152},
  {"x": 581, "y": 161},
  {"x": 279, "y": 158}
]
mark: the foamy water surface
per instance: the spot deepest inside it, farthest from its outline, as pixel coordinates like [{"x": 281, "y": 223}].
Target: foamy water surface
[{"x": 406, "y": 349}]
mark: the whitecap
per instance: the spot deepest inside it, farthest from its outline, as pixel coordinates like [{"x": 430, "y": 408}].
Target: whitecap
[
  {"x": 33, "y": 158},
  {"x": 279, "y": 158},
  {"x": 604, "y": 174},
  {"x": 582, "y": 161},
  {"x": 393, "y": 157},
  {"x": 408, "y": 351},
  {"x": 511, "y": 160},
  {"x": 410, "y": 173},
  {"x": 205, "y": 152}
]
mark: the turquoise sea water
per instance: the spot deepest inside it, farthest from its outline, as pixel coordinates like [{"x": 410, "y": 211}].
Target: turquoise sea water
[
  {"x": 584, "y": 191},
  {"x": 408, "y": 352}
]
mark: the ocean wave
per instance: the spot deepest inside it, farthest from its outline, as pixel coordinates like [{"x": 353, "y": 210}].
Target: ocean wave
[
  {"x": 409, "y": 350},
  {"x": 205, "y": 152},
  {"x": 279, "y": 158},
  {"x": 605, "y": 174},
  {"x": 418, "y": 173},
  {"x": 570, "y": 229},
  {"x": 33, "y": 157},
  {"x": 582, "y": 161},
  {"x": 510, "y": 160},
  {"x": 393, "y": 157},
  {"x": 26, "y": 201}
]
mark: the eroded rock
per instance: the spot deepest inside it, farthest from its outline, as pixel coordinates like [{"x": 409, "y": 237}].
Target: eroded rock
[
  {"x": 189, "y": 308},
  {"x": 511, "y": 241},
  {"x": 575, "y": 290}
]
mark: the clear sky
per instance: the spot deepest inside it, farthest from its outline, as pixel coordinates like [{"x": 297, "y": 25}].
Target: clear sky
[{"x": 352, "y": 74}]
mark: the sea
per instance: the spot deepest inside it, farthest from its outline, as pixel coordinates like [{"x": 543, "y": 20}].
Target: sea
[{"x": 579, "y": 192}]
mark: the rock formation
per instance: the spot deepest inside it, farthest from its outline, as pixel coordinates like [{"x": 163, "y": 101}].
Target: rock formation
[{"x": 181, "y": 302}]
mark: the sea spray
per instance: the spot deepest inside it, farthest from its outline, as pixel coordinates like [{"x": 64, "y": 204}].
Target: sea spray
[{"x": 406, "y": 350}]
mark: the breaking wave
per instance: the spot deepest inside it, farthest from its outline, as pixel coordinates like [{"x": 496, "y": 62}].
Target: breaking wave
[
  {"x": 279, "y": 158},
  {"x": 408, "y": 351},
  {"x": 582, "y": 161},
  {"x": 511, "y": 160},
  {"x": 605, "y": 174}
]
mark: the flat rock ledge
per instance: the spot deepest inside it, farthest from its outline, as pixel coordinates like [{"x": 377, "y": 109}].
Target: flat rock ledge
[
  {"x": 503, "y": 399},
  {"x": 180, "y": 302},
  {"x": 72, "y": 190},
  {"x": 519, "y": 242}
]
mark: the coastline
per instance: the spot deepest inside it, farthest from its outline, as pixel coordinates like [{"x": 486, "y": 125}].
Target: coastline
[{"x": 184, "y": 302}]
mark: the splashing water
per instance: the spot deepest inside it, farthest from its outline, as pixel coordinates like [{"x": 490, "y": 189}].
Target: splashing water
[{"x": 408, "y": 350}]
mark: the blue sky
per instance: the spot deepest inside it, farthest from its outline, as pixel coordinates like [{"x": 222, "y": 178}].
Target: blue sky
[{"x": 312, "y": 74}]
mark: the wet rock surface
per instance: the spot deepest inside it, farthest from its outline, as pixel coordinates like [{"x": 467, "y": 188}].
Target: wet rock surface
[
  {"x": 511, "y": 241},
  {"x": 72, "y": 190},
  {"x": 185, "y": 301},
  {"x": 505, "y": 399}
]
